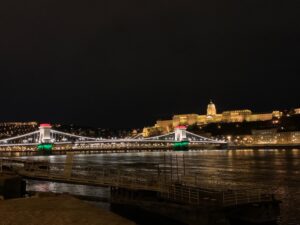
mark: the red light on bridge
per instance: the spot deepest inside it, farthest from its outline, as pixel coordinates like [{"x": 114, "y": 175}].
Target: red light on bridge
[
  {"x": 45, "y": 125},
  {"x": 181, "y": 127}
]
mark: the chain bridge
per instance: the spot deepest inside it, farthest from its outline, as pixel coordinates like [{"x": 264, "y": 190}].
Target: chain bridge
[{"x": 47, "y": 135}]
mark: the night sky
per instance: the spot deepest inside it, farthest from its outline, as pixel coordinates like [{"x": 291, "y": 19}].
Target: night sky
[{"x": 127, "y": 63}]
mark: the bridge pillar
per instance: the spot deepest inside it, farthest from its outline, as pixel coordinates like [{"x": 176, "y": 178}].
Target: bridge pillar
[
  {"x": 180, "y": 133},
  {"x": 45, "y": 134}
]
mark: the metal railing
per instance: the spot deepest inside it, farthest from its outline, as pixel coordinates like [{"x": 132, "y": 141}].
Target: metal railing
[
  {"x": 102, "y": 177},
  {"x": 197, "y": 196},
  {"x": 181, "y": 189}
]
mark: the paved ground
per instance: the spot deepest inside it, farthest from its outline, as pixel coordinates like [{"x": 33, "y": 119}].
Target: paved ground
[{"x": 55, "y": 210}]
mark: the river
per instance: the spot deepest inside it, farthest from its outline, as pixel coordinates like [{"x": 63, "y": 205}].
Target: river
[{"x": 274, "y": 170}]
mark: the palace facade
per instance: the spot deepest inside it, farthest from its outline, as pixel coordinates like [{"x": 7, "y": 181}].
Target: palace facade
[{"x": 165, "y": 126}]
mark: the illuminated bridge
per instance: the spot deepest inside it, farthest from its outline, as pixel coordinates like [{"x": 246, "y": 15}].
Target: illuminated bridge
[{"x": 46, "y": 136}]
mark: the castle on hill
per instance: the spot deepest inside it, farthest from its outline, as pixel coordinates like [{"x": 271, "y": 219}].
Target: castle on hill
[{"x": 233, "y": 116}]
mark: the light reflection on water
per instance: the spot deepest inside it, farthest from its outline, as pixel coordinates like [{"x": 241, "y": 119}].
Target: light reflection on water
[{"x": 275, "y": 170}]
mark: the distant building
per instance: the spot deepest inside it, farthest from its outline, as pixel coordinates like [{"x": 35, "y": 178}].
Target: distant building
[
  {"x": 18, "y": 124},
  {"x": 297, "y": 111},
  {"x": 9, "y": 129},
  {"x": 165, "y": 126}
]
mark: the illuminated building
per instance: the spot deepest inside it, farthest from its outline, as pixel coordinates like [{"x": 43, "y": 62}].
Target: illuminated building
[
  {"x": 233, "y": 116},
  {"x": 297, "y": 111},
  {"x": 18, "y": 124},
  {"x": 268, "y": 137},
  {"x": 211, "y": 109},
  {"x": 9, "y": 129}
]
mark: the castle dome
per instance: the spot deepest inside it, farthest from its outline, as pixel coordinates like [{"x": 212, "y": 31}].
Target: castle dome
[{"x": 211, "y": 109}]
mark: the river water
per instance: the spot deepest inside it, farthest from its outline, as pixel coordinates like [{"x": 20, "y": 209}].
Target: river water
[{"x": 274, "y": 170}]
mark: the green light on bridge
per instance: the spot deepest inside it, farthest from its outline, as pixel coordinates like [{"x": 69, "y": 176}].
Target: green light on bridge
[
  {"x": 183, "y": 145},
  {"x": 45, "y": 147}
]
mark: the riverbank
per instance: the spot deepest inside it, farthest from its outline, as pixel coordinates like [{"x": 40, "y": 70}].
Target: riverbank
[
  {"x": 265, "y": 146},
  {"x": 56, "y": 210}
]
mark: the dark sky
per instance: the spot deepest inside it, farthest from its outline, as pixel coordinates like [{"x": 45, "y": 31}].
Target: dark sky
[{"x": 126, "y": 63}]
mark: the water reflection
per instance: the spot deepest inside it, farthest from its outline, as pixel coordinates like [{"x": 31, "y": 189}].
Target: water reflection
[{"x": 276, "y": 170}]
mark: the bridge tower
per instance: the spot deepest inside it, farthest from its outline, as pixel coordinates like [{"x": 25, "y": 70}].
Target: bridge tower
[
  {"x": 45, "y": 136},
  {"x": 180, "y": 133}
]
